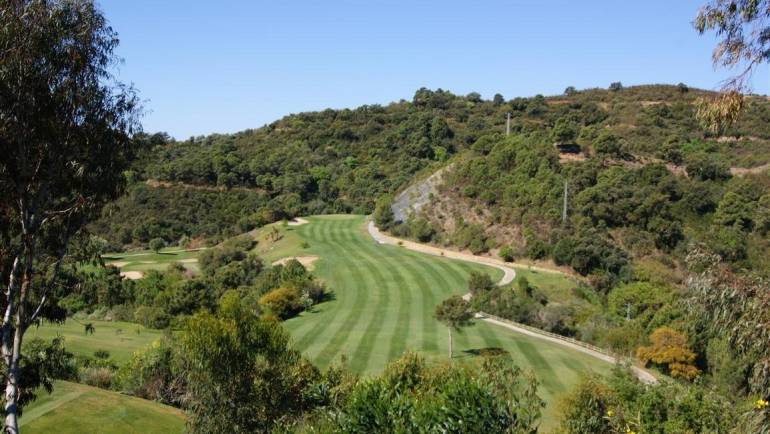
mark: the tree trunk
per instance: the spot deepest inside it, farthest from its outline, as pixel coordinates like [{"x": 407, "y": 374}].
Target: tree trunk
[
  {"x": 8, "y": 334},
  {"x": 450, "y": 342},
  {"x": 12, "y": 387}
]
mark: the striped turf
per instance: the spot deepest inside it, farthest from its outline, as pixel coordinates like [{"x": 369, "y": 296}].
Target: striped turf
[{"x": 384, "y": 298}]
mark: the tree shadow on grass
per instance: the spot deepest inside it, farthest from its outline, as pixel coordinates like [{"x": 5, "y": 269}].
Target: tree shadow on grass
[
  {"x": 327, "y": 297},
  {"x": 486, "y": 352}
]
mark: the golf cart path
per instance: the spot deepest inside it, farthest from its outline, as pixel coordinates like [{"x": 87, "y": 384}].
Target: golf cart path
[{"x": 509, "y": 274}]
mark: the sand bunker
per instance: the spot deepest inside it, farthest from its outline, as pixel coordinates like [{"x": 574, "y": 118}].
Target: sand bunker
[
  {"x": 132, "y": 275},
  {"x": 117, "y": 263},
  {"x": 188, "y": 260},
  {"x": 307, "y": 261},
  {"x": 298, "y": 221}
]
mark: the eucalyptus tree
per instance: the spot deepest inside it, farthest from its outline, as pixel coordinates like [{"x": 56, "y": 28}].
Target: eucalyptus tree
[
  {"x": 65, "y": 140},
  {"x": 741, "y": 28}
]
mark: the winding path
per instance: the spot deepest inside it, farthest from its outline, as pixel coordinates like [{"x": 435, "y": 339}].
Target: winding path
[{"x": 642, "y": 374}]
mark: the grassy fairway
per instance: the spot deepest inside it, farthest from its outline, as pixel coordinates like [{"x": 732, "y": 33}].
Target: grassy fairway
[
  {"x": 76, "y": 408},
  {"x": 385, "y": 297},
  {"x": 119, "y": 338},
  {"x": 145, "y": 261}
]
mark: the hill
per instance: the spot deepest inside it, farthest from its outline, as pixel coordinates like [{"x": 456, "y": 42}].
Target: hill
[
  {"x": 77, "y": 408},
  {"x": 336, "y": 161}
]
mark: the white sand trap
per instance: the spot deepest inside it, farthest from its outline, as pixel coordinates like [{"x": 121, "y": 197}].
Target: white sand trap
[
  {"x": 298, "y": 221},
  {"x": 118, "y": 263},
  {"x": 132, "y": 275},
  {"x": 307, "y": 261},
  {"x": 188, "y": 260}
]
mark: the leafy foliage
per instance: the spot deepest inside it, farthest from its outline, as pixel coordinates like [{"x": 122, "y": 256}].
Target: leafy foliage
[{"x": 669, "y": 349}]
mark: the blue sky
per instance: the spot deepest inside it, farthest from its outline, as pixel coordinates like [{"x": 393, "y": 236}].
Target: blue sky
[{"x": 228, "y": 65}]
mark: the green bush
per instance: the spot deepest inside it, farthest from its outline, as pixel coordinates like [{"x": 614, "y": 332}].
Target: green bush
[
  {"x": 283, "y": 302},
  {"x": 152, "y": 317},
  {"x": 507, "y": 254},
  {"x": 479, "y": 282}
]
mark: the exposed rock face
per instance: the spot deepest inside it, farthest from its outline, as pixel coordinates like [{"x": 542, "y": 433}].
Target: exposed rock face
[{"x": 411, "y": 200}]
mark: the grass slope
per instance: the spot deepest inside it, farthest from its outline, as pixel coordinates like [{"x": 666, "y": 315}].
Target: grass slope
[
  {"x": 385, "y": 297},
  {"x": 119, "y": 338},
  {"x": 77, "y": 408}
]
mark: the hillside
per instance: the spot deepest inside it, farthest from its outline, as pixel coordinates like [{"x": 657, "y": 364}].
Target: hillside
[
  {"x": 77, "y": 408},
  {"x": 342, "y": 160}
]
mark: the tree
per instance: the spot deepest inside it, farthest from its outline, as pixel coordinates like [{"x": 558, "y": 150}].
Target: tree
[
  {"x": 570, "y": 90},
  {"x": 156, "y": 244},
  {"x": 474, "y": 97},
  {"x": 489, "y": 395},
  {"x": 564, "y": 131},
  {"x": 607, "y": 144},
  {"x": 498, "y": 99},
  {"x": 240, "y": 372},
  {"x": 735, "y": 307},
  {"x": 65, "y": 127},
  {"x": 742, "y": 29},
  {"x": 586, "y": 407},
  {"x": 616, "y": 86},
  {"x": 669, "y": 349},
  {"x": 455, "y": 313},
  {"x": 478, "y": 282}
]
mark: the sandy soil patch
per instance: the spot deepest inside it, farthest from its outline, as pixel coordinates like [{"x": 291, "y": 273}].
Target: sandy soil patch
[
  {"x": 132, "y": 275},
  {"x": 118, "y": 263},
  {"x": 740, "y": 171},
  {"x": 306, "y": 261},
  {"x": 298, "y": 221}
]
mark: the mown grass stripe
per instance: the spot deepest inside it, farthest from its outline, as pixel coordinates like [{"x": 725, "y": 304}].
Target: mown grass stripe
[
  {"x": 539, "y": 364},
  {"x": 453, "y": 268},
  {"x": 340, "y": 337},
  {"x": 351, "y": 297},
  {"x": 443, "y": 288},
  {"x": 377, "y": 312},
  {"x": 396, "y": 285}
]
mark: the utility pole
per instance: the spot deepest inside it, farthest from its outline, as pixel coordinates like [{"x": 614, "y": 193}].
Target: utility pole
[
  {"x": 564, "y": 208},
  {"x": 628, "y": 311},
  {"x": 508, "y": 124}
]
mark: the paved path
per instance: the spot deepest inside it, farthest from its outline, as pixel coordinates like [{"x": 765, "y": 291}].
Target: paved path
[{"x": 642, "y": 374}]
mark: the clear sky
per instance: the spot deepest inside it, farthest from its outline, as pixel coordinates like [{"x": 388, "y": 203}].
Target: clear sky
[{"x": 224, "y": 66}]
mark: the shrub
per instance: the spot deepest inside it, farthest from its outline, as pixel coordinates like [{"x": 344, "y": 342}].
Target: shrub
[
  {"x": 97, "y": 376},
  {"x": 156, "y": 244},
  {"x": 122, "y": 312},
  {"x": 506, "y": 254},
  {"x": 479, "y": 282},
  {"x": 421, "y": 230},
  {"x": 669, "y": 350},
  {"x": 282, "y": 302},
  {"x": 152, "y": 374},
  {"x": 152, "y": 317}
]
